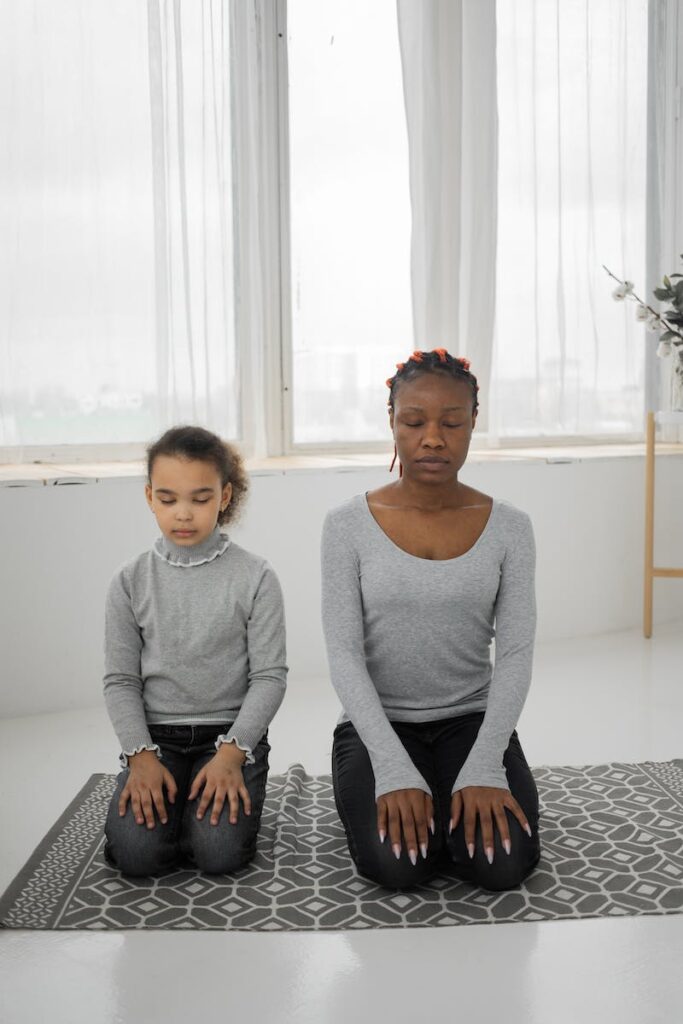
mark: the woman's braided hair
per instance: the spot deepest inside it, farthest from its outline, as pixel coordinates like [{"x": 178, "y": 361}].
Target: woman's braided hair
[{"x": 436, "y": 361}]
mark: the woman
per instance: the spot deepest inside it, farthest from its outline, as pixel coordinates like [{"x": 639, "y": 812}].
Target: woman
[{"x": 415, "y": 574}]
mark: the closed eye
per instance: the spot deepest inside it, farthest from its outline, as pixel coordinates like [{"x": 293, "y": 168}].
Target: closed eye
[{"x": 197, "y": 501}]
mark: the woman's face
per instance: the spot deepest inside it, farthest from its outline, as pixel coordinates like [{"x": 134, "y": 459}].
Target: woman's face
[{"x": 432, "y": 422}]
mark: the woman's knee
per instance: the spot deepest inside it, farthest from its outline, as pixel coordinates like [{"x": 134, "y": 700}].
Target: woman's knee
[
  {"x": 379, "y": 864},
  {"x": 506, "y": 871}
]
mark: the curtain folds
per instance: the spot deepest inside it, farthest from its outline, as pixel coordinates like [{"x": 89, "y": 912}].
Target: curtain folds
[
  {"x": 191, "y": 125},
  {"x": 255, "y": 154},
  {"x": 448, "y": 55},
  {"x": 572, "y": 187},
  {"x": 528, "y": 138}
]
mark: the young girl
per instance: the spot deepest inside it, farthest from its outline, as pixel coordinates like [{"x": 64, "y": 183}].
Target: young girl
[{"x": 194, "y": 670}]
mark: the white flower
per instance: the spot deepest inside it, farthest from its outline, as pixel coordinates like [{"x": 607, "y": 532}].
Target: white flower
[
  {"x": 642, "y": 312},
  {"x": 653, "y": 323},
  {"x": 620, "y": 293},
  {"x": 664, "y": 349}
]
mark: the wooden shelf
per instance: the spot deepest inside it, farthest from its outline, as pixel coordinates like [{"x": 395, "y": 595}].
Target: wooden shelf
[{"x": 653, "y": 572}]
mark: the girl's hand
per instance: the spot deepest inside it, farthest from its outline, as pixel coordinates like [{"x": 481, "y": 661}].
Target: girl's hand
[
  {"x": 410, "y": 811},
  {"x": 222, "y": 778},
  {"x": 487, "y": 803},
  {"x": 144, "y": 788}
]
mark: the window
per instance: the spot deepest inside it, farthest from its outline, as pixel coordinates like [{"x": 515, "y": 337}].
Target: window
[
  {"x": 572, "y": 96},
  {"x": 350, "y": 217},
  {"x": 128, "y": 301},
  {"x": 115, "y": 184}
]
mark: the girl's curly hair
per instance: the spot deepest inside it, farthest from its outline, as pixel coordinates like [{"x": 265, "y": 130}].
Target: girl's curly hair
[{"x": 200, "y": 444}]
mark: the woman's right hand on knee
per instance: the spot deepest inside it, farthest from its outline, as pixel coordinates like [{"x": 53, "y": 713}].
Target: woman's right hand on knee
[
  {"x": 406, "y": 814},
  {"x": 145, "y": 788}
]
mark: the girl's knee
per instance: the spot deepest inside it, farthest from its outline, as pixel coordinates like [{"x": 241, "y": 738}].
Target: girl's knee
[
  {"x": 220, "y": 859},
  {"x": 220, "y": 849},
  {"x": 137, "y": 851},
  {"x": 138, "y": 860}
]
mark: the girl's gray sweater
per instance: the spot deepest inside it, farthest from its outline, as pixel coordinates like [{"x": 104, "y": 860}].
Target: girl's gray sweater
[
  {"x": 408, "y": 638},
  {"x": 194, "y": 635}
]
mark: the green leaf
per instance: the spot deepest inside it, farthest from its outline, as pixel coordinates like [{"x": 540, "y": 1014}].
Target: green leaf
[
  {"x": 663, "y": 294},
  {"x": 673, "y": 318},
  {"x": 667, "y": 282},
  {"x": 667, "y": 336},
  {"x": 676, "y": 275}
]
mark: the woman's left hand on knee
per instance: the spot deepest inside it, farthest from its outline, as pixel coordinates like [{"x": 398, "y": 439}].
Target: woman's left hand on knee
[
  {"x": 222, "y": 781},
  {"x": 488, "y": 803}
]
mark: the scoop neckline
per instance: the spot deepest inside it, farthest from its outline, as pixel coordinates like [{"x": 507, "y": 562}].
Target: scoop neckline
[{"x": 429, "y": 561}]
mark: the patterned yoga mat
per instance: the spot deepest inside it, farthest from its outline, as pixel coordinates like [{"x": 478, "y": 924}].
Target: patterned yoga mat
[{"x": 612, "y": 839}]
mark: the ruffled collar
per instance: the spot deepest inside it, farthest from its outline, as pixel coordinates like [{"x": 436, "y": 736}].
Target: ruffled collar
[{"x": 196, "y": 554}]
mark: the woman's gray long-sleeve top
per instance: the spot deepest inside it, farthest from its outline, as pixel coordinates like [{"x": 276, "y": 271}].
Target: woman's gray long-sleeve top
[{"x": 409, "y": 639}]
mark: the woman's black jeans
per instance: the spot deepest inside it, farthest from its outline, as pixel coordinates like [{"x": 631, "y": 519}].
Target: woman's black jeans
[
  {"x": 183, "y": 840},
  {"x": 438, "y": 750}
]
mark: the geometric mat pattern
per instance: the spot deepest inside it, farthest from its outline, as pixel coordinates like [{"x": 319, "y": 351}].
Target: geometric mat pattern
[{"x": 612, "y": 845}]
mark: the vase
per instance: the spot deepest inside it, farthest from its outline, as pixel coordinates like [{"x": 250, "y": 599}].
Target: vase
[{"x": 677, "y": 380}]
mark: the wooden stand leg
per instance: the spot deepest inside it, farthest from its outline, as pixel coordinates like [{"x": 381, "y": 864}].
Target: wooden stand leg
[{"x": 649, "y": 523}]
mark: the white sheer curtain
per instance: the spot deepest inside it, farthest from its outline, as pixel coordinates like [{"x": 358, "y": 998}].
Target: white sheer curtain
[
  {"x": 253, "y": 58},
  {"x": 572, "y": 95},
  {"x": 117, "y": 304},
  {"x": 448, "y": 53},
  {"x": 191, "y": 127}
]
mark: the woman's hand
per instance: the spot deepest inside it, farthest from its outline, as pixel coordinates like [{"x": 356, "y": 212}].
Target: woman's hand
[
  {"x": 410, "y": 811},
  {"x": 222, "y": 779},
  {"x": 144, "y": 788},
  {"x": 488, "y": 803}
]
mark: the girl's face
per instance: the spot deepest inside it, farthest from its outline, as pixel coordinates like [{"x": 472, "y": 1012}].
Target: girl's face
[
  {"x": 432, "y": 423},
  {"x": 186, "y": 497}
]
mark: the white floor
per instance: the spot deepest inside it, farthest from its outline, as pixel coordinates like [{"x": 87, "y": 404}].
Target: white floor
[{"x": 615, "y": 697}]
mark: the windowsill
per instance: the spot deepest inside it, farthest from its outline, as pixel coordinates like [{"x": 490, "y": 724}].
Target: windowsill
[{"x": 47, "y": 474}]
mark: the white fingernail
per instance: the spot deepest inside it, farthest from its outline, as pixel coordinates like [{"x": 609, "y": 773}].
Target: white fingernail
[
  {"x": 489, "y": 854},
  {"x": 506, "y": 846},
  {"x": 382, "y": 835},
  {"x": 431, "y": 826},
  {"x": 413, "y": 857},
  {"x": 423, "y": 850},
  {"x": 470, "y": 850},
  {"x": 397, "y": 850},
  {"x": 528, "y": 829},
  {"x": 450, "y": 826}
]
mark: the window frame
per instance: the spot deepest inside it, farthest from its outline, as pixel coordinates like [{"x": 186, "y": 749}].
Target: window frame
[{"x": 276, "y": 381}]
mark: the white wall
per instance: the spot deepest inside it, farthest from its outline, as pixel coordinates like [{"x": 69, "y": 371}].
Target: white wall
[{"x": 61, "y": 545}]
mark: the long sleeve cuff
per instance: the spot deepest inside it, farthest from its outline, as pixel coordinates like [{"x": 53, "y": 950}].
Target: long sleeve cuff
[
  {"x": 387, "y": 780},
  {"x": 125, "y": 754},
  {"x": 230, "y": 737},
  {"x": 474, "y": 776}
]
